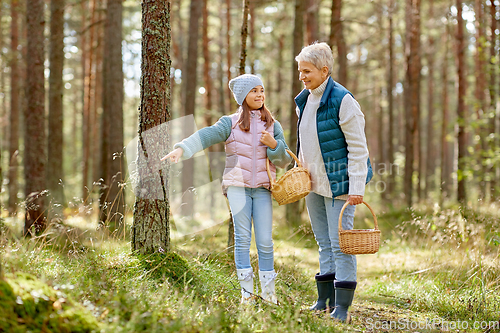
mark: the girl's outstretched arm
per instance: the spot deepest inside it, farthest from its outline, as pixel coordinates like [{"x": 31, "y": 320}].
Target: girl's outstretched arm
[{"x": 203, "y": 138}]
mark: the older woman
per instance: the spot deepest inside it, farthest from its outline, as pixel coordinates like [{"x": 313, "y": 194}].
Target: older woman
[{"x": 331, "y": 143}]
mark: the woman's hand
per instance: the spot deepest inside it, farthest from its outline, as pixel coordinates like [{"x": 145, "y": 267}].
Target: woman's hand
[
  {"x": 174, "y": 155},
  {"x": 268, "y": 140},
  {"x": 355, "y": 199}
]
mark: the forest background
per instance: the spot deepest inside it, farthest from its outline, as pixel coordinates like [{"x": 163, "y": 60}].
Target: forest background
[{"x": 79, "y": 90}]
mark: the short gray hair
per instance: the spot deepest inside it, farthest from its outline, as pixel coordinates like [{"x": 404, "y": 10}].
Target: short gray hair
[{"x": 318, "y": 54}]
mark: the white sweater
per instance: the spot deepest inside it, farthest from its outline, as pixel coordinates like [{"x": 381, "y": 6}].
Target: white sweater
[{"x": 352, "y": 124}]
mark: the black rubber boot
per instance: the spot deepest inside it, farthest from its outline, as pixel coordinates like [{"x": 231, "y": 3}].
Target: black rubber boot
[
  {"x": 344, "y": 294},
  {"x": 326, "y": 292}
]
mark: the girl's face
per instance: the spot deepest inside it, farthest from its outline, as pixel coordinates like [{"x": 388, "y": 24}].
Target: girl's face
[
  {"x": 255, "y": 98},
  {"x": 311, "y": 76}
]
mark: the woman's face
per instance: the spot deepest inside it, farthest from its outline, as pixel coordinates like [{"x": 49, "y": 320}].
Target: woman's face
[
  {"x": 311, "y": 76},
  {"x": 255, "y": 98}
]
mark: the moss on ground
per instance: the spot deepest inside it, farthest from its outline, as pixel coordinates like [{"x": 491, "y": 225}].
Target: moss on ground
[
  {"x": 169, "y": 266},
  {"x": 28, "y": 304}
]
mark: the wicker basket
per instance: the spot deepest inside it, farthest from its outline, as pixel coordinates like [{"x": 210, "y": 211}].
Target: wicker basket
[
  {"x": 360, "y": 241},
  {"x": 293, "y": 185}
]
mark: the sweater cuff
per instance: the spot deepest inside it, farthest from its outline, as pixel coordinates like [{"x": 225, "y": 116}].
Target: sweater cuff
[
  {"x": 357, "y": 185},
  {"x": 188, "y": 152},
  {"x": 278, "y": 156}
]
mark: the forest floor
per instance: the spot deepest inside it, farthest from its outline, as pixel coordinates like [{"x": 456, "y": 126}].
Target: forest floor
[{"x": 436, "y": 271}]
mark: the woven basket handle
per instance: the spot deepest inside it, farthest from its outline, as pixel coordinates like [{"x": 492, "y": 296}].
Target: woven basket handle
[
  {"x": 269, "y": 171},
  {"x": 367, "y": 205}
]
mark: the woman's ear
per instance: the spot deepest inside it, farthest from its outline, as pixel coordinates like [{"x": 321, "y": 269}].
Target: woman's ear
[{"x": 324, "y": 71}]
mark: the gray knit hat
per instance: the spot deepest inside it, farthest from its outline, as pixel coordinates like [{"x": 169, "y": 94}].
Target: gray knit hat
[{"x": 241, "y": 86}]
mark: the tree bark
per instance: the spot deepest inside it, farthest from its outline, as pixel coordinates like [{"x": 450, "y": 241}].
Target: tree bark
[
  {"x": 251, "y": 34},
  {"x": 3, "y": 123},
  {"x": 292, "y": 210},
  {"x": 208, "y": 97},
  {"x": 378, "y": 124},
  {"x": 15, "y": 78},
  {"x": 190, "y": 89},
  {"x": 480, "y": 103},
  {"x": 431, "y": 143},
  {"x": 111, "y": 201},
  {"x": 412, "y": 92},
  {"x": 222, "y": 89},
  {"x": 446, "y": 180},
  {"x": 390, "y": 96},
  {"x": 207, "y": 67},
  {"x": 55, "y": 176},
  {"x": 312, "y": 21},
  {"x": 86, "y": 190},
  {"x": 35, "y": 152},
  {"x": 151, "y": 228},
  {"x": 461, "y": 113},
  {"x": 244, "y": 36},
  {"x": 178, "y": 42},
  {"x": 337, "y": 39},
  {"x": 493, "y": 143},
  {"x": 279, "y": 75},
  {"x": 231, "y": 103},
  {"x": 96, "y": 87}
]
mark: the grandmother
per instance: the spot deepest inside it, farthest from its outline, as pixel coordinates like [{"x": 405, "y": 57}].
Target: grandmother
[{"x": 331, "y": 144}]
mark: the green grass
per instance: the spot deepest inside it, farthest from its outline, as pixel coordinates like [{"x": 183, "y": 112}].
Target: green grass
[{"x": 438, "y": 266}]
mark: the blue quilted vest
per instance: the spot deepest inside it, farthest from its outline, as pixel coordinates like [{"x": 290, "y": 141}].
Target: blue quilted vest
[{"x": 330, "y": 136}]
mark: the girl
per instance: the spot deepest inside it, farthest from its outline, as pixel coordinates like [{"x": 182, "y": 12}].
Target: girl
[{"x": 251, "y": 135}]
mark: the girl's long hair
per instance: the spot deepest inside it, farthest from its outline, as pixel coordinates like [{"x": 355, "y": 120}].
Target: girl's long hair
[{"x": 244, "y": 119}]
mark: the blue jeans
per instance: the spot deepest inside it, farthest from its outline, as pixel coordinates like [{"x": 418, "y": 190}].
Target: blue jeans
[
  {"x": 325, "y": 224},
  {"x": 246, "y": 203}
]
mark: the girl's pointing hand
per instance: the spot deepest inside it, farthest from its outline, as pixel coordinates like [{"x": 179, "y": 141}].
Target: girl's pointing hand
[
  {"x": 174, "y": 155},
  {"x": 268, "y": 140}
]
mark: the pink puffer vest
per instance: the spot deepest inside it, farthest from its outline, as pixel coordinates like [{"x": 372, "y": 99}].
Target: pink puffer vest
[{"x": 246, "y": 155}]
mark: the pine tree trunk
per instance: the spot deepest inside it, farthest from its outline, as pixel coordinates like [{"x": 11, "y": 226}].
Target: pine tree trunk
[
  {"x": 251, "y": 34},
  {"x": 231, "y": 103},
  {"x": 431, "y": 155},
  {"x": 15, "y": 78},
  {"x": 208, "y": 99},
  {"x": 151, "y": 229},
  {"x": 55, "y": 177},
  {"x": 177, "y": 48},
  {"x": 461, "y": 113},
  {"x": 337, "y": 38},
  {"x": 220, "y": 68},
  {"x": 390, "y": 96},
  {"x": 412, "y": 92},
  {"x": 244, "y": 35},
  {"x": 112, "y": 199},
  {"x": 480, "y": 103},
  {"x": 86, "y": 191},
  {"x": 279, "y": 84},
  {"x": 207, "y": 67},
  {"x": 35, "y": 152},
  {"x": 3, "y": 123},
  {"x": 293, "y": 209},
  {"x": 493, "y": 143},
  {"x": 379, "y": 112},
  {"x": 90, "y": 100},
  {"x": 190, "y": 89},
  {"x": 312, "y": 21},
  {"x": 96, "y": 85},
  {"x": 446, "y": 180}
]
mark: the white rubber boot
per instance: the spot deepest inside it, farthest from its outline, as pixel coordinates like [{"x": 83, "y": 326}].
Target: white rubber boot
[
  {"x": 245, "y": 276},
  {"x": 267, "y": 286}
]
